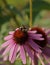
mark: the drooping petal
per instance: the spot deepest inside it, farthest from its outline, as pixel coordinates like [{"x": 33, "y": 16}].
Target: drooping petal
[
  {"x": 17, "y": 28},
  {"x": 38, "y": 55},
  {"x": 6, "y": 43},
  {"x": 14, "y": 54},
  {"x": 11, "y": 52},
  {"x": 32, "y": 62},
  {"x": 29, "y": 51},
  {"x": 34, "y": 46},
  {"x": 36, "y": 36},
  {"x": 35, "y": 59},
  {"x": 7, "y": 49},
  {"x": 22, "y": 54},
  {"x": 8, "y": 37},
  {"x": 46, "y": 51},
  {"x": 46, "y": 58},
  {"x": 39, "y": 35},
  {"x": 32, "y": 31},
  {"x": 11, "y": 32},
  {"x": 5, "y": 58}
]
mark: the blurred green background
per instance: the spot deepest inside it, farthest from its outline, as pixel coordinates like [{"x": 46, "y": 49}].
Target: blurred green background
[{"x": 15, "y": 13}]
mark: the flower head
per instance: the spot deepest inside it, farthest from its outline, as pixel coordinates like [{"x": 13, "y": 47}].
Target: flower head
[
  {"x": 21, "y": 40},
  {"x": 44, "y": 45}
]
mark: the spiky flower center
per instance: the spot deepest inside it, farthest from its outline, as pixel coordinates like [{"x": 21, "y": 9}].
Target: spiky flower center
[
  {"x": 20, "y": 35},
  {"x": 41, "y": 43}
]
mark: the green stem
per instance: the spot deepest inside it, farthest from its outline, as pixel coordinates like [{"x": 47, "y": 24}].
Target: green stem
[{"x": 30, "y": 24}]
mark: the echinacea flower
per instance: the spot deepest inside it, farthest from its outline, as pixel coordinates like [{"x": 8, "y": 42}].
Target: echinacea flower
[
  {"x": 44, "y": 46},
  {"x": 19, "y": 41}
]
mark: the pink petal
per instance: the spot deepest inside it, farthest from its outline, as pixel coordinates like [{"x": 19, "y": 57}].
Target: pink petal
[
  {"x": 35, "y": 59},
  {"x": 40, "y": 59},
  {"x": 46, "y": 58},
  {"x": 34, "y": 46},
  {"x": 11, "y": 32},
  {"x": 22, "y": 54},
  {"x": 7, "y": 49},
  {"x": 6, "y": 43},
  {"x": 17, "y": 28},
  {"x": 36, "y": 36},
  {"x": 8, "y": 37},
  {"x": 29, "y": 52},
  {"x": 11, "y": 52},
  {"x": 32, "y": 31},
  {"x": 14, "y": 54},
  {"x": 5, "y": 57},
  {"x": 32, "y": 62}
]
